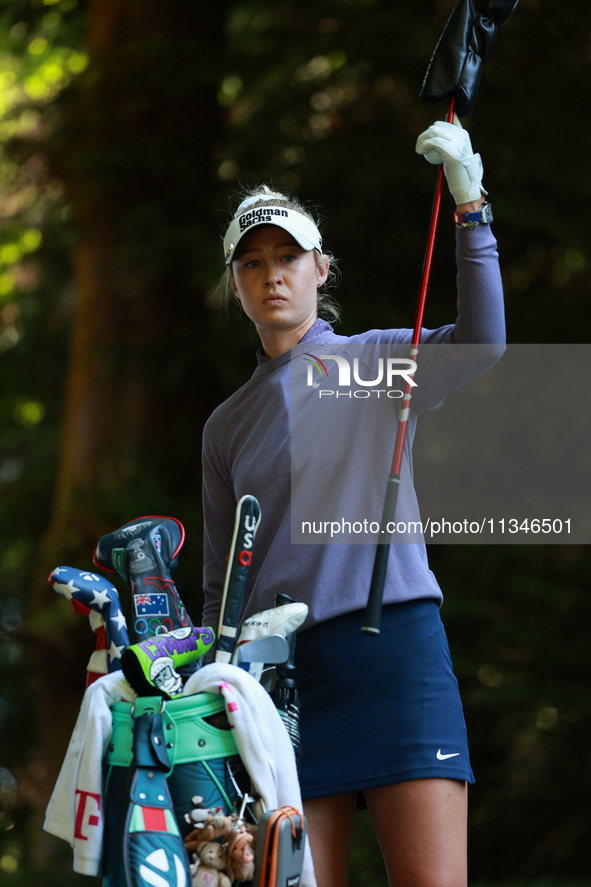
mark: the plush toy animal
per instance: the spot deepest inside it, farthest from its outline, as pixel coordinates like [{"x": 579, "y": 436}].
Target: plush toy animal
[
  {"x": 199, "y": 813},
  {"x": 231, "y": 834},
  {"x": 216, "y": 826},
  {"x": 241, "y": 855},
  {"x": 210, "y": 868}
]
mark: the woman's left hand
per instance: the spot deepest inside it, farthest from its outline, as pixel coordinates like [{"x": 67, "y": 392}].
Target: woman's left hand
[{"x": 449, "y": 143}]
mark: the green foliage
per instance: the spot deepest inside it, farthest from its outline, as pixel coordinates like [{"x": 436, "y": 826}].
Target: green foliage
[{"x": 37, "y": 60}]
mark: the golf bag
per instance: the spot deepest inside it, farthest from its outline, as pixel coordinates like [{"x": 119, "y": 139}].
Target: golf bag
[
  {"x": 196, "y": 756},
  {"x": 147, "y": 780}
]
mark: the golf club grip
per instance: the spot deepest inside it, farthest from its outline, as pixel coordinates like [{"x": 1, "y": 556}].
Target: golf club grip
[
  {"x": 248, "y": 515},
  {"x": 373, "y": 610},
  {"x": 282, "y": 599}
]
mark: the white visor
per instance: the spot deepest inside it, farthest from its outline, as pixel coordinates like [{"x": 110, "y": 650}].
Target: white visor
[{"x": 302, "y": 229}]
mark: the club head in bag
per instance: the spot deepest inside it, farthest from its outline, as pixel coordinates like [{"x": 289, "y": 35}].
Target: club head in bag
[{"x": 272, "y": 648}]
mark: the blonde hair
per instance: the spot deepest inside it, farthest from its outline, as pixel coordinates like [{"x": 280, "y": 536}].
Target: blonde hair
[{"x": 328, "y": 307}]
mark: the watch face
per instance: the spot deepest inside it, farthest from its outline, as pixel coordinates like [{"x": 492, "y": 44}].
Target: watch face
[{"x": 487, "y": 215}]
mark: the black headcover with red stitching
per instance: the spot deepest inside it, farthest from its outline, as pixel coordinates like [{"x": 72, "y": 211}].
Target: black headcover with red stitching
[{"x": 466, "y": 42}]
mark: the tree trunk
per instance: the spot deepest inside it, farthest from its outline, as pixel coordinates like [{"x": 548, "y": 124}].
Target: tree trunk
[{"x": 135, "y": 154}]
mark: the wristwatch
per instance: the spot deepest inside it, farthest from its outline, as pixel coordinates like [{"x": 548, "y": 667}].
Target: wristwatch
[{"x": 482, "y": 216}]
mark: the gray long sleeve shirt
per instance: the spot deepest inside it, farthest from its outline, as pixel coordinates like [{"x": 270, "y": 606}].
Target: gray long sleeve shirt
[{"x": 247, "y": 449}]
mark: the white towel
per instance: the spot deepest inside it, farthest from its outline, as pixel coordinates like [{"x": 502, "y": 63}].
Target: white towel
[
  {"x": 261, "y": 739},
  {"x": 75, "y": 810}
]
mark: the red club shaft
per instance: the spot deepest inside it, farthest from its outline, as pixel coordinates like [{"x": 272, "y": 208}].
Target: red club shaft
[{"x": 371, "y": 622}]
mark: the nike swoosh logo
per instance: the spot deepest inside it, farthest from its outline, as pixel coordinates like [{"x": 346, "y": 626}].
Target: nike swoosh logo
[{"x": 441, "y": 757}]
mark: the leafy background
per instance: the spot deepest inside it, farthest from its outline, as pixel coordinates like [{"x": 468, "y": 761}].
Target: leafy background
[{"x": 126, "y": 128}]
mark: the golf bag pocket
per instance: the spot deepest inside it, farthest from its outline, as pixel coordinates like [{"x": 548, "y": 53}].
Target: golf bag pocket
[
  {"x": 203, "y": 761},
  {"x": 279, "y": 854}
]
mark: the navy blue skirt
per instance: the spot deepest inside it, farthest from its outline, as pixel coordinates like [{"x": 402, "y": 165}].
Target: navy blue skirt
[{"x": 379, "y": 709}]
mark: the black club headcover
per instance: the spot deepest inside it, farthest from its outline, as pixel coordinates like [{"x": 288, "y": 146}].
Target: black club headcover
[
  {"x": 144, "y": 552},
  {"x": 466, "y": 42}
]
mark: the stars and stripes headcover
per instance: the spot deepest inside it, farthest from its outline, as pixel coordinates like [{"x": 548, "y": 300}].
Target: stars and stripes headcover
[{"x": 88, "y": 592}]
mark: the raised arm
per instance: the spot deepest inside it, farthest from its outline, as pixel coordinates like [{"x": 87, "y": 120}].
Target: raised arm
[{"x": 481, "y": 318}]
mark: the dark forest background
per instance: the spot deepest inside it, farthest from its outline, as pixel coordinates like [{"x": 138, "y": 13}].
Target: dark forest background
[{"x": 126, "y": 129}]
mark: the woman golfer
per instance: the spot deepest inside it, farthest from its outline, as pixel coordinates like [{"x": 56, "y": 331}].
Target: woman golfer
[{"x": 381, "y": 716}]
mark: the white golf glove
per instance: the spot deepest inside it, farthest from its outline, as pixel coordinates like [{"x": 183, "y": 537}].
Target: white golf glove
[{"x": 449, "y": 143}]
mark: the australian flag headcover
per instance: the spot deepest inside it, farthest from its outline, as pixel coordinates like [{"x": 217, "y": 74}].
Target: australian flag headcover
[
  {"x": 144, "y": 552},
  {"x": 466, "y": 42}
]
